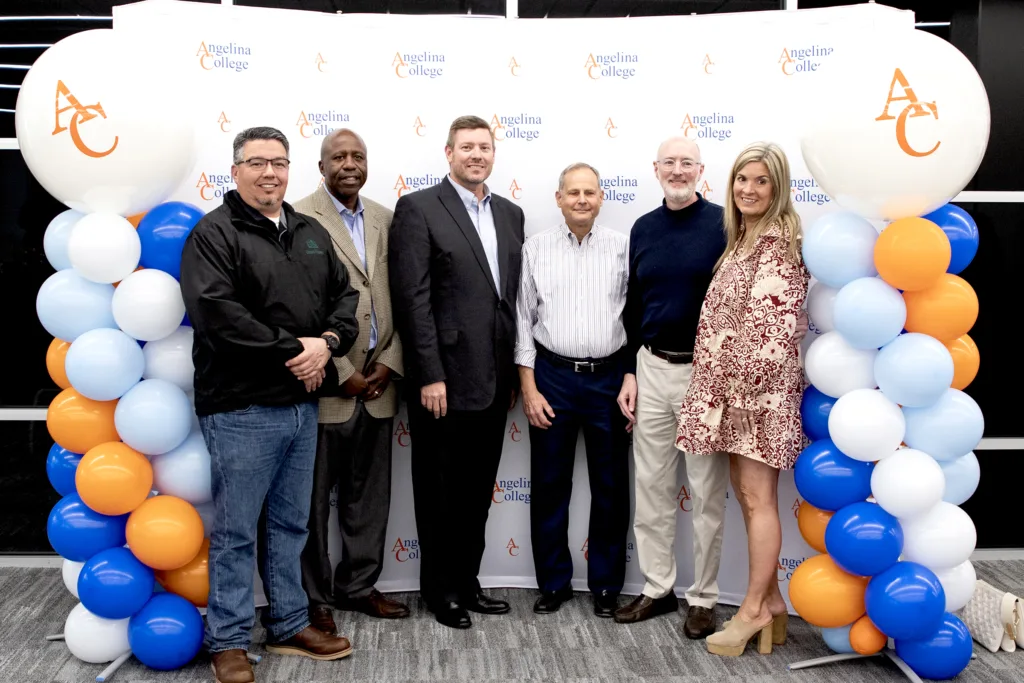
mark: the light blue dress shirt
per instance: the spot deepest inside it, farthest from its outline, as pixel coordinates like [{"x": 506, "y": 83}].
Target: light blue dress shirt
[
  {"x": 354, "y": 223},
  {"x": 483, "y": 220}
]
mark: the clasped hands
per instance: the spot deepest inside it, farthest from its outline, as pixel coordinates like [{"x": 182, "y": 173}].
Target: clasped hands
[{"x": 309, "y": 365}]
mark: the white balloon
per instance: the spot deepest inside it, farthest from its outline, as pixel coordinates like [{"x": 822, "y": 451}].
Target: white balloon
[
  {"x": 911, "y": 131},
  {"x": 835, "y": 368},
  {"x": 821, "y": 301},
  {"x": 147, "y": 305},
  {"x": 940, "y": 538},
  {"x": 185, "y": 471},
  {"x": 907, "y": 483},
  {"x": 69, "y": 571},
  {"x": 170, "y": 359},
  {"x": 93, "y": 639},
  {"x": 55, "y": 239},
  {"x": 865, "y": 425},
  {"x": 94, "y": 128},
  {"x": 958, "y": 584},
  {"x": 104, "y": 247}
]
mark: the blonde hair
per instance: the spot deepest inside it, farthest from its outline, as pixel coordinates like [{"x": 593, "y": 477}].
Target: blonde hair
[{"x": 780, "y": 210}]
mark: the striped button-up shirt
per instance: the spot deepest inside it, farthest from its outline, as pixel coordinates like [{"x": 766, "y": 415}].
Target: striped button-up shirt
[{"x": 571, "y": 294}]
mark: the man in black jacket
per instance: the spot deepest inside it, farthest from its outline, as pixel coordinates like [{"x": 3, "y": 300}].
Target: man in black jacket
[
  {"x": 455, "y": 255},
  {"x": 269, "y": 304}
]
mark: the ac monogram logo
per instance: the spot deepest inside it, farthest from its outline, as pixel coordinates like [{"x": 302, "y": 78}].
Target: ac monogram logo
[
  {"x": 497, "y": 125},
  {"x": 705, "y": 190},
  {"x": 796, "y": 508},
  {"x": 401, "y": 432},
  {"x": 514, "y": 432},
  {"x": 611, "y": 129},
  {"x": 398, "y": 63},
  {"x": 684, "y": 498},
  {"x": 687, "y": 127},
  {"x": 203, "y": 186},
  {"x": 303, "y": 123},
  {"x": 914, "y": 109},
  {"x": 513, "y": 549},
  {"x": 495, "y": 494},
  {"x": 224, "y": 122},
  {"x": 83, "y": 114},
  {"x": 707, "y": 64},
  {"x": 418, "y": 126},
  {"x": 513, "y": 65},
  {"x": 586, "y": 549},
  {"x": 320, "y": 61}
]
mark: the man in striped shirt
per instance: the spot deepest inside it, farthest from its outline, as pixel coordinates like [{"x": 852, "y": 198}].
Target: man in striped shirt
[{"x": 572, "y": 357}]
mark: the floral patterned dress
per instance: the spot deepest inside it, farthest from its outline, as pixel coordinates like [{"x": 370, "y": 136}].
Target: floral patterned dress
[{"x": 746, "y": 356}]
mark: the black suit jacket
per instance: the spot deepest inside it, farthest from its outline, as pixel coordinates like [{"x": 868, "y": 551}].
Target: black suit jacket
[{"x": 459, "y": 323}]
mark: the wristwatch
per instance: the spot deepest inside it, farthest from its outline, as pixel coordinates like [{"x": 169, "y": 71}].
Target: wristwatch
[{"x": 332, "y": 342}]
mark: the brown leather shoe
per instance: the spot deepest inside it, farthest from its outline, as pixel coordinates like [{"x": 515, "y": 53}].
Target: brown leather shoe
[
  {"x": 312, "y": 643},
  {"x": 700, "y": 622},
  {"x": 232, "y": 666},
  {"x": 322, "y": 618},
  {"x": 375, "y": 605},
  {"x": 644, "y": 607}
]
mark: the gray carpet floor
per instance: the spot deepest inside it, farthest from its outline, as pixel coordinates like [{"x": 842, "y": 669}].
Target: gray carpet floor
[{"x": 571, "y": 645}]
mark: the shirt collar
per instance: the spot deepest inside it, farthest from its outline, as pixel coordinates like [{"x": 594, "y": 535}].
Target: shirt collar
[
  {"x": 468, "y": 198},
  {"x": 342, "y": 208},
  {"x": 590, "y": 236}
]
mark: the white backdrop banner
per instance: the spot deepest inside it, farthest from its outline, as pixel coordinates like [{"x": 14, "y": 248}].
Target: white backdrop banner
[{"x": 556, "y": 91}]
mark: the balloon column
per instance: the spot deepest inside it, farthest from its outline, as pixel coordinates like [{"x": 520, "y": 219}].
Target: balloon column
[
  {"x": 891, "y": 430},
  {"x": 126, "y": 457}
]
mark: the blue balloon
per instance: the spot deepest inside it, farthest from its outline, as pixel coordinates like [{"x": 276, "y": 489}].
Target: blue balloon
[
  {"x": 814, "y": 409},
  {"x": 68, "y": 305},
  {"x": 55, "y": 239},
  {"x": 914, "y": 370},
  {"x": 839, "y": 247},
  {"x": 154, "y": 417},
  {"x": 828, "y": 479},
  {"x": 61, "y": 468},
  {"x": 905, "y": 601},
  {"x": 942, "y": 654},
  {"x": 962, "y": 478},
  {"x": 163, "y": 231},
  {"x": 869, "y": 313},
  {"x": 113, "y": 584},
  {"x": 962, "y": 232},
  {"x": 838, "y": 639},
  {"x": 103, "y": 364},
  {"x": 76, "y": 532},
  {"x": 167, "y": 633},
  {"x": 947, "y": 429},
  {"x": 863, "y": 539}
]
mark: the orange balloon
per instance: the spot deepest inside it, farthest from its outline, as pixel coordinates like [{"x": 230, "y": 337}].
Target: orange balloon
[
  {"x": 136, "y": 219},
  {"x": 812, "y": 523},
  {"x": 78, "y": 423},
  {"x": 113, "y": 478},
  {"x": 865, "y": 638},
  {"x": 192, "y": 581},
  {"x": 911, "y": 253},
  {"x": 165, "y": 532},
  {"x": 946, "y": 310},
  {"x": 966, "y": 361},
  {"x": 55, "y": 356},
  {"x": 826, "y": 596}
]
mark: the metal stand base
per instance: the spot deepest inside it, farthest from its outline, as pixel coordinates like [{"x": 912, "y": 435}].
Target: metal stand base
[{"x": 907, "y": 671}]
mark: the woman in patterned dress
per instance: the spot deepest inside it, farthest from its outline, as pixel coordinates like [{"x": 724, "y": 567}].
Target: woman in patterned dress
[{"x": 744, "y": 398}]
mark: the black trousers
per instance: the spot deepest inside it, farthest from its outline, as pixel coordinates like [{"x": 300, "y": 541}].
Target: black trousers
[
  {"x": 355, "y": 456},
  {"x": 454, "y": 465}
]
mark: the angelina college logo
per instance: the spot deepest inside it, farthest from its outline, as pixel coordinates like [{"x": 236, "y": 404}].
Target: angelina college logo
[
  {"x": 214, "y": 185},
  {"x": 230, "y": 56},
  {"x": 518, "y": 127},
  {"x": 83, "y": 114},
  {"x": 319, "y": 123},
  {"x": 615, "y": 65},
  {"x": 421, "y": 65},
  {"x": 714, "y": 126},
  {"x": 405, "y": 550},
  {"x": 806, "y": 191},
  {"x": 802, "y": 60},
  {"x": 914, "y": 109},
  {"x": 409, "y": 183},
  {"x": 619, "y": 189},
  {"x": 511, "y": 491}
]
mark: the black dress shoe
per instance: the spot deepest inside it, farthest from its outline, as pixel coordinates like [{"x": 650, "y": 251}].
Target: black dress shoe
[
  {"x": 605, "y": 604},
  {"x": 550, "y": 601},
  {"x": 452, "y": 615},
  {"x": 482, "y": 604}
]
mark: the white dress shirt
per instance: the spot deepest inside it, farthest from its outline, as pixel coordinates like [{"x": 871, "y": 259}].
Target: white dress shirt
[
  {"x": 571, "y": 294},
  {"x": 483, "y": 220},
  {"x": 354, "y": 222}
]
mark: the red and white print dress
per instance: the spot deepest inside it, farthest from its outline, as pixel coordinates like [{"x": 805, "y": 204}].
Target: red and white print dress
[{"x": 746, "y": 356}]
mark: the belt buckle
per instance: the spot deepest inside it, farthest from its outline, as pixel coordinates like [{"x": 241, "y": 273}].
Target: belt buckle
[{"x": 576, "y": 365}]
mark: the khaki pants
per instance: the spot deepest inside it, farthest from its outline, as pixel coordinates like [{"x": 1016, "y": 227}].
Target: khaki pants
[{"x": 661, "y": 387}]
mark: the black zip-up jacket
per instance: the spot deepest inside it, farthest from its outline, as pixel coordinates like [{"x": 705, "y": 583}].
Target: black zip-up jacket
[{"x": 250, "y": 297}]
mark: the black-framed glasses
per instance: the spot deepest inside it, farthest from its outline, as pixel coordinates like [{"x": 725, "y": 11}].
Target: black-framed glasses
[{"x": 259, "y": 163}]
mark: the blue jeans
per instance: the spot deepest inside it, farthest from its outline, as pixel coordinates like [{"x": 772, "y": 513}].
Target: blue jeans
[{"x": 258, "y": 455}]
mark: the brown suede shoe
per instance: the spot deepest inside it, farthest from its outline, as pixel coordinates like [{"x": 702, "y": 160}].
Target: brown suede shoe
[
  {"x": 644, "y": 607},
  {"x": 322, "y": 619},
  {"x": 232, "y": 666},
  {"x": 376, "y": 604},
  {"x": 700, "y": 622},
  {"x": 309, "y": 642}
]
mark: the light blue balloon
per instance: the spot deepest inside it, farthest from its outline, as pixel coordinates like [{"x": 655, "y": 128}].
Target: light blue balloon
[
  {"x": 68, "y": 305},
  {"x": 962, "y": 477},
  {"x": 55, "y": 239},
  {"x": 948, "y": 429},
  {"x": 838, "y": 639},
  {"x": 839, "y": 247},
  {"x": 103, "y": 364},
  {"x": 914, "y": 371},
  {"x": 154, "y": 417},
  {"x": 869, "y": 313}
]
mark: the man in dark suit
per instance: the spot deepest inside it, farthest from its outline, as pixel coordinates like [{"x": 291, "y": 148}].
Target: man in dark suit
[{"x": 455, "y": 255}]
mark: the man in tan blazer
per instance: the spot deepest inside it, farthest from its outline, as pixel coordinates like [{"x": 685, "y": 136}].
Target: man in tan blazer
[{"x": 354, "y": 437}]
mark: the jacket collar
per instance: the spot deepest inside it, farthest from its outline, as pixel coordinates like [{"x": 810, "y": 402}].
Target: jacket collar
[{"x": 251, "y": 218}]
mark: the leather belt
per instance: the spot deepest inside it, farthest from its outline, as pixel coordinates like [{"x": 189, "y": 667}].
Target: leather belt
[
  {"x": 578, "y": 364},
  {"x": 671, "y": 356}
]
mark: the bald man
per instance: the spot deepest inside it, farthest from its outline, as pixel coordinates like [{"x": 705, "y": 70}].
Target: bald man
[{"x": 354, "y": 437}]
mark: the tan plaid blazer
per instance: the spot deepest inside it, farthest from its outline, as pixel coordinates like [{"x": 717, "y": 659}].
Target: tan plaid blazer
[{"x": 372, "y": 285}]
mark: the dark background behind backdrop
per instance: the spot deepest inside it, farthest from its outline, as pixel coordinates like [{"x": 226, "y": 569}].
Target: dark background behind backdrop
[{"x": 987, "y": 31}]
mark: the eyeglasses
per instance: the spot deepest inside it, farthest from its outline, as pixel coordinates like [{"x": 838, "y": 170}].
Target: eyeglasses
[
  {"x": 258, "y": 164},
  {"x": 685, "y": 164}
]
